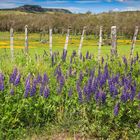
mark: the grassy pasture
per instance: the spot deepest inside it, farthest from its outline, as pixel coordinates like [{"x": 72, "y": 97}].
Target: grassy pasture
[{"x": 90, "y": 44}]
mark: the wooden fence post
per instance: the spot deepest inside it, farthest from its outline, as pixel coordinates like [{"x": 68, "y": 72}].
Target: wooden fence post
[
  {"x": 113, "y": 40},
  {"x": 81, "y": 42},
  {"x": 134, "y": 41},
  {"x": 50, "y": 40},
  {"x": 100, "y": 43},
  {"x": 12, "y": 42},
  {"x": 67, "y": 40},
  {"x": 26, "y": 39}
]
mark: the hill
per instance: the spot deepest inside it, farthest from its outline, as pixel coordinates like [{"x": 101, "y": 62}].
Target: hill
[{"x": 36, "y": 9}]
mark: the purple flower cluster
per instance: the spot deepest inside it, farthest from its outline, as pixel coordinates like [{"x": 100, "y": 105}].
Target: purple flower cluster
[
  {"x": 64, "y": 55},
  {"x": 31, "y": 85},
  {"x": 1, "y": 82},
  {"x": 116, "y": 109},
  {"x": 15, "y": 77}
]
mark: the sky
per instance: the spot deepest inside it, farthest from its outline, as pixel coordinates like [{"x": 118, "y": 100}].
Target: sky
[{"x": 78, "y": 6}]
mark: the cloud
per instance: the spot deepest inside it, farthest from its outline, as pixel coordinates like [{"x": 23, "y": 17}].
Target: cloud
[
  {"x": 87, "y": 1},
  {"x": 7, "y": 5}
]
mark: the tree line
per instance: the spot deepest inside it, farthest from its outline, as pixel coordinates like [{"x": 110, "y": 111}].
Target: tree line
[{"x": 60, "y": 22}]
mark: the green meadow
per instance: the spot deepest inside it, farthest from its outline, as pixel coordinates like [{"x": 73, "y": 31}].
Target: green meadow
[{"x": 90, "y": 44}]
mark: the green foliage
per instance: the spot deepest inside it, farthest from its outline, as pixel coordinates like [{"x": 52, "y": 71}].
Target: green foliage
[{"x": 19, "y": 115}]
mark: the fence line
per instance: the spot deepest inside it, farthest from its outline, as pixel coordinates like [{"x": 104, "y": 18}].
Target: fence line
[
  {"x": 113, "y": 41},
  {"x": 12, "y": 42},
  {"x": 100, "y": 43},
  {"x": 26, "y": 39},
  {"x": 81, "y": 42},
  {"x": 50, "y": 41},
  {"x": 134, "y": 41}
]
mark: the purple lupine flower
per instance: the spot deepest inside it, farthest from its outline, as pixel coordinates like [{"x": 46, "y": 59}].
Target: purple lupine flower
[
  {"x": 27, "y": 88},
  {"x": 70, "y": 92},
  {"x": 86, "y": 92},
  {"x": 42, "y": 87},
  {"x": 45, "y": 79},
  {"x": 106, "y": 72},
  {"x": 39, "y": 78},
  {"x": 80, "y": 97},
  {"x": 12, "y": 91},
  {"x": 46, "y": 92},
  {"x": 33, "y": 89},
  {"x": 64, "y": 55},
  {"x": 62, "y": 81},
  {"x": 92, "y": 73},
  {"x": 116, "y": 109},
  {"x": 139, "y": 95},
  {"x": 81, "y": 76},
  {"x": 132, "y": 94},
  {"x": 13, "y": 75},
  {"x": 94, "y": 85},
  {"x": 17, "y": 80},
  {"x": 124, "y": 96},
  {"x": 97, "y": 96},
  {"x": 1, "y": 82},
  {"x": 87, "y": 54},
  {"x": 103, "y": 97}
]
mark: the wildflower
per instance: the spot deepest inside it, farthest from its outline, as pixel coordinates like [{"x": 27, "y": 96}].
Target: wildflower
[
  {"x": 103, "y": 97},
  {"x": 79, "y": 93},
  {"x": 42, "y": 87},
  {"x": 124, "y": 96},
  {"x": 13, "y": 75},
  {"x": 33, "y": 89},
  {"x": 46, "y": 92},
  {"x": 139, "y": 95},
  {"x": 1, "y": 82},
  {"x": 81, "y": 76},
  {"x": 17, "y": 80},
  {"x": 116, "y": 109},
  {"x": 27, "y": 87},
  {"x": 87, "y": 54},
  {"x": 39, "y": 78},
  {"x": 45, "y": 79}
]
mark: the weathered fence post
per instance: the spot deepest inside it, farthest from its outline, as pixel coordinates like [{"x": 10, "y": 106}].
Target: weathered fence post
[
  {"x": 134, "y": 41},
  {"x": 50, "y": 40},
  {"x": 26, "y": 39},
  {"x": 81, "y": 42},
  {"x": 12, "y": 42},
  {"x": 100, "y": 43},
  {"x": 113, "y": 40},
  {"x": 67, "y": 40}
]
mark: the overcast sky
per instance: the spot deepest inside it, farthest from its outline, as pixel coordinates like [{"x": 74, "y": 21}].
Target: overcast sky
[{"x": 78, "y": 6}]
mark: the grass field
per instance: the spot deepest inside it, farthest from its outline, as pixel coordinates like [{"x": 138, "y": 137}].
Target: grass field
[
  {"x": 90, "y": 44},
  {"x": 65, "y": 97}
]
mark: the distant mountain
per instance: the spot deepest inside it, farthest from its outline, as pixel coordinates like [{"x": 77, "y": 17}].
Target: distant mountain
[{"x": 37, "y": 9}]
